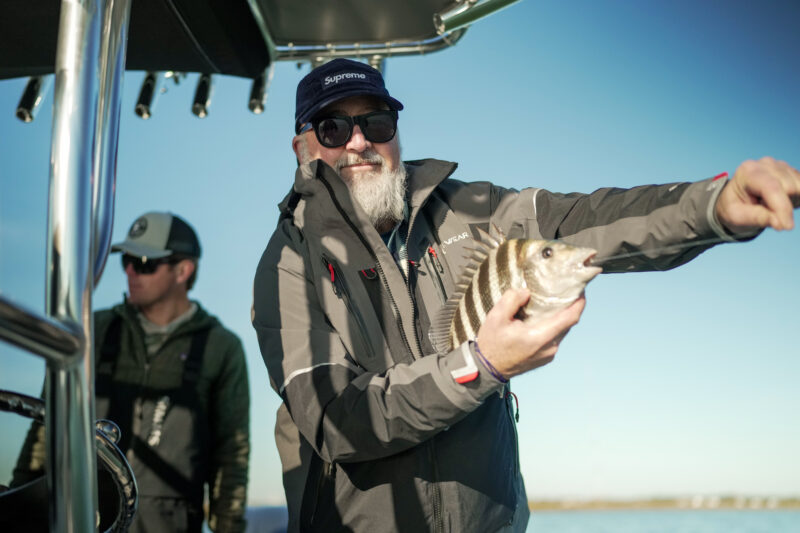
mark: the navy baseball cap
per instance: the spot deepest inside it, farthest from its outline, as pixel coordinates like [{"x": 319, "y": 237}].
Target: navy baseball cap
[
  {"x": 157, "y": 235},
  {"x": 335, "y": 80}
]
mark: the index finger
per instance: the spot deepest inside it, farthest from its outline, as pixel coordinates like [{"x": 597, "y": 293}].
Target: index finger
[
  {"x": 508, "y": 305},
  {"x": 558, "y": 324}
]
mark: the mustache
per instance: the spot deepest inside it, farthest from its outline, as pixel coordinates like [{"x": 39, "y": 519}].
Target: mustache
[{"x": 367, "y": 156}]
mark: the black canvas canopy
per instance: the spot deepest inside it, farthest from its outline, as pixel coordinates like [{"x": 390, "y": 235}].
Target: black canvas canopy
[
  {"x": 313, "y": 22},
  {"x": 233, "y": 37},
  {"x": 212, "y": 36}
]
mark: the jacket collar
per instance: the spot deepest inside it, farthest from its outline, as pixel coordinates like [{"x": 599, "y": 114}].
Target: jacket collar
[
  {"x": 424, "y": 175},
  {"x": 199, "y": 320}
]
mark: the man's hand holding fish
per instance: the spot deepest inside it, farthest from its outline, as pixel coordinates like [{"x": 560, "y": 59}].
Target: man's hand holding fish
[{"x": 515, "y": 346}]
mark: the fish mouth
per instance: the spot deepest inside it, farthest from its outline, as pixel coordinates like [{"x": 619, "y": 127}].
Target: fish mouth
[{"x": 589, "y": 267}]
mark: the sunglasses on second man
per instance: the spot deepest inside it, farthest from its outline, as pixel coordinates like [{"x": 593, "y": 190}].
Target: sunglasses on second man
[
  {"x": 143, "y": 265},
  {"x": 335, "y": 131}
]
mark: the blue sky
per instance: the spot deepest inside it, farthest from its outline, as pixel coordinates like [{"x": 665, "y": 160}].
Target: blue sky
[{"x": 673, "y": 383}]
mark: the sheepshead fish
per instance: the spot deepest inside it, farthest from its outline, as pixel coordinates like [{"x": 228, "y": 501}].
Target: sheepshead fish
[{"x": 554, "y": 272}]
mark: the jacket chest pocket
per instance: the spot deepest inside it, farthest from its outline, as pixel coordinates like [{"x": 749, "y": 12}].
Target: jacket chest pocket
[
  {"x": 431, "y": 287},
  {"x": 370, "y": 327},
  {"x": 433, "y": 268},
  {"x": 387, "y": 318},
  {"x": 352, "y": 326}
]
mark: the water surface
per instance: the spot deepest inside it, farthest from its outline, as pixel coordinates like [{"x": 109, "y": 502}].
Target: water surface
[{"x": 667, "y": 521}]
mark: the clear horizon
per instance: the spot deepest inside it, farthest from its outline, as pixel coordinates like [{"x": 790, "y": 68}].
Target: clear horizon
[{"x": 674, "y": 383}]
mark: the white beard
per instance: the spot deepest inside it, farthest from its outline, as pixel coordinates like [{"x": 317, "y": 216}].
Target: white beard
[{"x": 380, "y": 194}]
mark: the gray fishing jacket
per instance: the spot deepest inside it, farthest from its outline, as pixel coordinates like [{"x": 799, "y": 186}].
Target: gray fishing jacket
[{"x": 374, "y": 433}]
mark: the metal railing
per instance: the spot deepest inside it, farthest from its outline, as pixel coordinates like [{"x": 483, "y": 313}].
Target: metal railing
[
  {"x": 90, "y": 61},
  {"x": 107, "y": 434}
]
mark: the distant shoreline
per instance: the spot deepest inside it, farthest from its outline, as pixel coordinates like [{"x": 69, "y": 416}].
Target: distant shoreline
[
  {"x": 710, "y": 503},
  {"x": 689, "y": 503}
]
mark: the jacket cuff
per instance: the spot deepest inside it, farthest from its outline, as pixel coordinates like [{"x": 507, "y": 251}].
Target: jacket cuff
[{"x": 469, "y": 373}]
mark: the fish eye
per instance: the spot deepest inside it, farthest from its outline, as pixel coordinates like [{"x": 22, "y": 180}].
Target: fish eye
[{"x": 547, "y": 252}]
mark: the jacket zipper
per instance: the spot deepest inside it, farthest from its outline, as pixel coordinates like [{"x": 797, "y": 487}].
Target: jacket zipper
[
  {"x": 438, "y": 520},
  {"x": 507, "y": 395},
  {"x": 137, "y": 421},
  {"x": 437, "y": 511},
  {"x": 378, "y": 266},
  {"x": 139, "y": 403},
  {"x": 436, "y": 270},
  {"x": 328, "y": 474},
  {"x": 139, "y": 406},
  {"x": 411, "y": 296},
  {"x": 340, "y": 289}
]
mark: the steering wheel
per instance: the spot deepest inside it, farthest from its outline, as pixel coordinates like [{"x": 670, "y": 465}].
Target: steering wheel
[{"x": 31, "y": 499}]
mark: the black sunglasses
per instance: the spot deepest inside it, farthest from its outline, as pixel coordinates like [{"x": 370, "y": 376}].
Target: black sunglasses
[
  {"x": 335, "y": 131},
  {"x": 143, "y": 265}
]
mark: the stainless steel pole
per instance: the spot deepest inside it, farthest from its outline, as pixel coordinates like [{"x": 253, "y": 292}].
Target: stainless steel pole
[
  {"x": 112, "y": 68},
  {"x": 38, "y": 334},
  {"x": 69, "y": 413},
  {"x": 467, "y": 12}
]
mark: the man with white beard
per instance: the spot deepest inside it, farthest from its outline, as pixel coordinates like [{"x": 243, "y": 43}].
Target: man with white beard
[
  {"x": 380, "y": 193},
  {"x": 379, "y": 431}
]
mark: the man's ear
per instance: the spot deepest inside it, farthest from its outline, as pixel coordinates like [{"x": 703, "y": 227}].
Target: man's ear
[
  {"x": 296, "y": 147},
  {"x": 185, "y": 270}
]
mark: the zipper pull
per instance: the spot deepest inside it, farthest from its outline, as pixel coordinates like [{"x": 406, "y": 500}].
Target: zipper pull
[
  {"x": 516, "y": 402},
  {"x": 369, "y": 274},
  {"x": 435, "y": 257},
  {"x": 333, "y": 278}
]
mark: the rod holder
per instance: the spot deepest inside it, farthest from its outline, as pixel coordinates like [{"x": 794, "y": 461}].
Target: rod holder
[
  {"x": 32, "y": 97},
  {"x": 378, "y": 62},
  {"x": 148, "y": 94},
  {"x": 202, "y": 95},
  {"x": 259, "y": 89}
]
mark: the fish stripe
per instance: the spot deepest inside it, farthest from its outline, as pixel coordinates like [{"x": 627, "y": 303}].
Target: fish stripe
[
  {"x": 495, "y": 280},
  {"x": 458, "y": 326},
  {"x": 472, "y": 318},
  {"x": 503, "y": 263},
  {"x": 515, "y": 277},
  {"x": 484, "y": 284}
]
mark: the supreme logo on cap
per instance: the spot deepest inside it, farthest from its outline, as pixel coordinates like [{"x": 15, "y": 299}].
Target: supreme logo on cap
[{"x": 333, "y": 80}]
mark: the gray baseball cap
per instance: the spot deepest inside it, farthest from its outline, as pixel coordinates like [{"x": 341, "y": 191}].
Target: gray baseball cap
[{"x": 156, "y": 234}]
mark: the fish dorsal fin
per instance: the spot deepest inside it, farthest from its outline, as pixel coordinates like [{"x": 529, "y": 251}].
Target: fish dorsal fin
[
  {"x": 497, "y": 231},
  {"x": 440, "y": 325},
  {"x": 475, "y": 256},
  {"x": 486, "y": 238}
]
